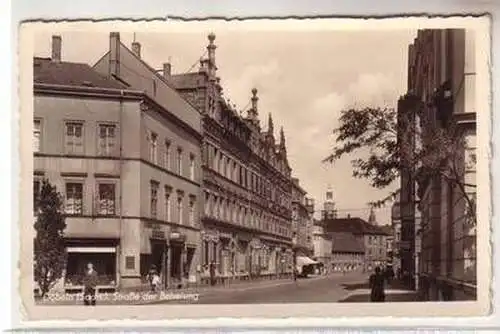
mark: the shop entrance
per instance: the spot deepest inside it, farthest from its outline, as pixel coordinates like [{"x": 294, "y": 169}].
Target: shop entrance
[
  {"x": 175, "y": 263},
  {"x": 159, "y": 258}
]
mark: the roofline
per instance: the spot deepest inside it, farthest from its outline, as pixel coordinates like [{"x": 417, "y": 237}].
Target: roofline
[
  {"x": 99, "y": 92},
  {"x": 171, "y": 85},
  {"x": 56, "y": 89}
]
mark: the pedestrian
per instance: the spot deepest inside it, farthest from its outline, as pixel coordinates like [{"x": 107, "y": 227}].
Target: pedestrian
[
  {"x": 377, "y": 281},
  {"x": 153, "y": 278},
  {"x": 89, "y": 285},
  {"x": 212, "y": 273}
]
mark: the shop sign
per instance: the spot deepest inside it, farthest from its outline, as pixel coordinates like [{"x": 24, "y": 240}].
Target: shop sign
[{"x": 157, "y": 232}]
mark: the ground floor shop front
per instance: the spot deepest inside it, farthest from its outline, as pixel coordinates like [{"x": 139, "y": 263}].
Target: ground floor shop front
[
  {"x": 231, "y": 254},
  {"x": 125, "y": 260}
]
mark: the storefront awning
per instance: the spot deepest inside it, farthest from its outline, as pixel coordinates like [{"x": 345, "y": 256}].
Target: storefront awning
[
  {"x": 304, "y": 261},
  {"x": 91, "y": 250}
]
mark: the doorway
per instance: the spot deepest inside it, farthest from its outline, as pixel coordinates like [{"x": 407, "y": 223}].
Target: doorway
[{"x": 159, "y": 258}]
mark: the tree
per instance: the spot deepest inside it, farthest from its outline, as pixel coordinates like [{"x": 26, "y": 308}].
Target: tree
[
  {"x": 49, "y": 250},
  {"x": 413, "y": 141}
]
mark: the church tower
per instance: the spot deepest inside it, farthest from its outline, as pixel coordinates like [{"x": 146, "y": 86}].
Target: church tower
[{"x": 329, "y": 211}]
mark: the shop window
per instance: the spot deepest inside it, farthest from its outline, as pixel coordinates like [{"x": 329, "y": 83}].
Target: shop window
[{"x": 104, "y": 264}]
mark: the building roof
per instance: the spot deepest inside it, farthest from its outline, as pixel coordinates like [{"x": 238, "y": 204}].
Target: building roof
[
  {"x": 387, "y": 229},
  {"x": 353, "y": 225},
  {"x": 185, "y": 80},
  {"x": 346, "y": 243},
  {"x": 46, "y": 71}
]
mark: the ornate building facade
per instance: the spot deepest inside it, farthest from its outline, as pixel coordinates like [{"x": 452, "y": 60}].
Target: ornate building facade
[{"x": 247, "y": 185}]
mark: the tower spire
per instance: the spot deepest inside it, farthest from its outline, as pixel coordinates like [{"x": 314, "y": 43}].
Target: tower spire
[
  {"x": 271, "y": 126},
  {"x": 282, "y": 140}
]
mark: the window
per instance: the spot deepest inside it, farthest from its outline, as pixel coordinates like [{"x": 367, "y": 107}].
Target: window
[
  {"x": 207, "y": 204},
  {"x": 106, "y": 204},
  {"x": 179, "y": 209},
  {"x": 235, "y": 172},
  {"x": 179, "y": 161},
  {"x": 74, "y": 138},
  {"x": 74, "y": 198},
  {"x": 168, "y": 204},
  {"x": 107, "y": 139},
  {"x": 192, "y": 201},
  {"x": 191, "y": 166},
  {"x": 167, "y": 155},
  {"x": 37, "y": 134},
  {"x": 153, "y": 147},
  {"x": 154, "y": 199}
]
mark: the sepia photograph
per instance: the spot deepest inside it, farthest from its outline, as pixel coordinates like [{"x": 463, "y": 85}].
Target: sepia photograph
[{"x": 255, "y": 163}]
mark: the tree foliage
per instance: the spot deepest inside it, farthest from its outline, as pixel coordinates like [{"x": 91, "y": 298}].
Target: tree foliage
[
  {"x": 49, "y": 250},
  {"x": 386, "y": 143}
]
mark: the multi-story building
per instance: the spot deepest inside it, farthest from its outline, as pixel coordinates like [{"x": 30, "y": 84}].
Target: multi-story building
[
  {"x": 300, "y": 218},
  {"x": 310, "y": 224},
  {"x": 372, "y": 237},
  {"x": 247, "y": 185},
  {"x": 129, "y": 202},
  {"x": 348, "y": 254},
  {"x": 441, "y": 78},
  {"x": 322, "y": 246}
]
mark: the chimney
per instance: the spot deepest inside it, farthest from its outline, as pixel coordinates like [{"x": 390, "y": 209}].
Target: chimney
[
  {"x": 56, "y": 48},
  {"x": 167, "y": 69},
  {"x": 114, "y": 54},
  {"x": 136, "y": 49}
]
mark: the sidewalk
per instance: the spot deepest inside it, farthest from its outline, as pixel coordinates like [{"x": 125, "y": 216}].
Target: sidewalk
[
  {"x": 142, "y": 295},
  {"x": 396, "y": 291}
]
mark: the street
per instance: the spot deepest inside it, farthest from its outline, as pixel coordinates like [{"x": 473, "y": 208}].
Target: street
[
  {"x": 323, "y": 289},
  {"x": 320, "y": 289}
]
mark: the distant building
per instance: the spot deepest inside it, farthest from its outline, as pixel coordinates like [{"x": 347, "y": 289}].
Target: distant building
[
  {"x": 372, "y": 237},
  {"x": 300, "y": 217},
  {"x": 348, "y": 253},
  {"x": 322, "y": 246}
]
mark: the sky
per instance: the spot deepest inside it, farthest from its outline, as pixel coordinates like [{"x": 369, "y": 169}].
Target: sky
[{"x": 303, "y": 78}]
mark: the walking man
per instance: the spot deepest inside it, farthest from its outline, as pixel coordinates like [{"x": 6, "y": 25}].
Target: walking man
[
  {"x": 377, "y": 281},
  {"x": 89, "y": 285}
]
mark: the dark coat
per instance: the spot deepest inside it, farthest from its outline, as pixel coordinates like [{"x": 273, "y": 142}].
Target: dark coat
[
  {"x": 377, "y": 282},
  {"x": 90, "y": 280}
]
